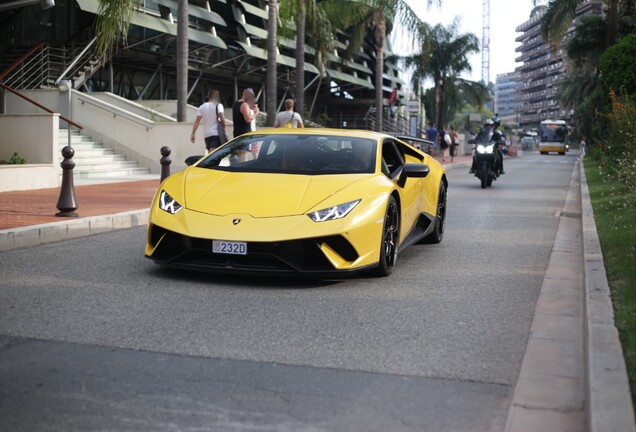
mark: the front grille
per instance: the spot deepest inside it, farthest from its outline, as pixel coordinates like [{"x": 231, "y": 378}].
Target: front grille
[{"x": 285, "y": 256}]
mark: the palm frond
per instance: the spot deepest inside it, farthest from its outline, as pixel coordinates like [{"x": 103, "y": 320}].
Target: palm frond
[
  {"x": 113, "y": 21},
  {"x": 558, "y": 19}
]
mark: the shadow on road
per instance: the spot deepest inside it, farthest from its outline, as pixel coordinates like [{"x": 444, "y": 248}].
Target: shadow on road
[{"x": 232, "y": 281}]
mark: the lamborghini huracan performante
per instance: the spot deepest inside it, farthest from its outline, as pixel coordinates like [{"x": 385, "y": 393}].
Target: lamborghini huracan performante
[{"x": 299, "y": 201}]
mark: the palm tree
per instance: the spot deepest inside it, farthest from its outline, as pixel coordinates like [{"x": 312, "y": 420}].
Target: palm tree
[
  {"x": 376, "y": 16},
  {"x": 293, "y": 24},
  {"x": 300, "y": 56},
  {"x": 182, "y": 61},
  {"x": 443, "y": 57},
  {"x": 379, "y": 11},
  {"x": 113, "y": 21},
  {"x": 462, "y": 96},
  {"x": 297, "y": 18},
  {"x": 272, "y": 54},
  {"x": 561, "y": 13}
]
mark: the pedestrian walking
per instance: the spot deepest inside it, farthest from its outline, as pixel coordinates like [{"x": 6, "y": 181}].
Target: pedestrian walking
[
  {"x": 444, "y": 143},
  {"x": 431, "y": 134},
  {"x": 582, "y": 145},
  {"x": 211, "y": 114},
  {"x": 289, "y": 118},
  {"x": 454, "y": 142},
  {"x": 244, "y": 111}
]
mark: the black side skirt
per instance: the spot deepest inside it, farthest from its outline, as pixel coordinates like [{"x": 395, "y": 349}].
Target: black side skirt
[{"x": 423, "y": 227}]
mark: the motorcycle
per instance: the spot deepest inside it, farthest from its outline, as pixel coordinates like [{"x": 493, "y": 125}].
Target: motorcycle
[{"x": 487, "y": 152}]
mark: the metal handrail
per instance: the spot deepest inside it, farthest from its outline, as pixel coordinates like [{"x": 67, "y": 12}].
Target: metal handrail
[
  {"x": 15, "y": 64},
  {"x": 32, "y": 72},
  {"x": 75, "y": 61},
  {"x": 39, "y": 105},
  {"x": 113, "y": 109}
]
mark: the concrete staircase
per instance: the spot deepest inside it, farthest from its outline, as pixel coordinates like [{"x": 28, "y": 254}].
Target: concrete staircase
[{"x": 94, "y": 161}]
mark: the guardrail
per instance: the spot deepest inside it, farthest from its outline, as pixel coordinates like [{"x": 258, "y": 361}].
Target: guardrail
[
  {"x": 16, "y": 63},
  {"x": 84, "y": 98}
]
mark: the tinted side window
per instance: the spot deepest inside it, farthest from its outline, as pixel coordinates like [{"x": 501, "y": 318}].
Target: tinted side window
[{"x": 392, "y": 158}]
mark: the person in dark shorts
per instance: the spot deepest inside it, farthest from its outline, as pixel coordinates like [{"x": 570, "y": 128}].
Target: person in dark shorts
[
  {"x": 211, "y": 116},
  {"x": 431, "y": 134},
  {"x": 454, "y": 142}
]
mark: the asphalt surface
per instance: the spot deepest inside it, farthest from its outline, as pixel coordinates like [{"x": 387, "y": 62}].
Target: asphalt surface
[{"x": 97, "y": 337}]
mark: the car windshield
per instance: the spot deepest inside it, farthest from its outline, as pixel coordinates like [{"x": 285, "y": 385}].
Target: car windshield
[
  {"x": 295, "y": 154},
  {"x": 553, "y": 132}
]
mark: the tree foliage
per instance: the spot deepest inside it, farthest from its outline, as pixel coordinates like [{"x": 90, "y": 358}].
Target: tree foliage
[
  {"x": 443, "y": 56},
  {"x": 561, "y": 14},
  {"x": 376, "y": 17},
  {"x": 617, "y": 68}
]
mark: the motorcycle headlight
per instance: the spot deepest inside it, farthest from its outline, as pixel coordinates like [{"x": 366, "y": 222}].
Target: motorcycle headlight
[
  {"x": 332, "y": 213},
  {"x": 481, "y": 149},
  {"x": 168, "y": 204},
  {"x": 490, "y": 148}
]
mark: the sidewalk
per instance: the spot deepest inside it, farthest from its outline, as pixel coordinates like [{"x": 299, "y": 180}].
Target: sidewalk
[{"x": 35, "y": 207}]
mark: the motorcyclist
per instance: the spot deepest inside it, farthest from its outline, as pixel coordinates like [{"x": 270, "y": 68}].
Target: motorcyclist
[
  {"x": 490, "y": 125},
  {"x": 498, "y": 137}
]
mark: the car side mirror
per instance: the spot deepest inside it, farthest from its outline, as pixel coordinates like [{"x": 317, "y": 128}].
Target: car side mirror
[
  {"x": 414, "y": 170},
  {"x": 191, "y": 160}
]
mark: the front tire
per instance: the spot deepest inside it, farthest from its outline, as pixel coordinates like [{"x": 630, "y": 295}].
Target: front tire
[
  {"x": 483, "y": 175},
  {"x": 390, "y": 239},
  {"x": 440, "y": 218}
]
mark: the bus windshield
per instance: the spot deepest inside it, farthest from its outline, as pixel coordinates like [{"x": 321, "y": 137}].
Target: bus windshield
[{"x": 553, "y": 132}]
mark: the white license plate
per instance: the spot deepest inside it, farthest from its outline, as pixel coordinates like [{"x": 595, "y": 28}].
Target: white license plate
[{"x": 229, "y": 247}]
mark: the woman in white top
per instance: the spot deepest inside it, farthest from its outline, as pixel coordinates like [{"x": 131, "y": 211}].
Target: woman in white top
[
  {"x": 251, "y": 101},
  {"x": 289, "y": 117}
]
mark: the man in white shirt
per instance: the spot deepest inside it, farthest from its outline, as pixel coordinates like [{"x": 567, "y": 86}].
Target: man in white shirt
[{"x": 211, "y": 113}]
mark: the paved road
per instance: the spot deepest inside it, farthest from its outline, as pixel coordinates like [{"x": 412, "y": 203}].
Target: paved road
[{"x": 97, "y": 337}]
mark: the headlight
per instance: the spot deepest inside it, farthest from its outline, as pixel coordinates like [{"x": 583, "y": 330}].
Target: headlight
[
  {"x": 335, "y": 212},
  {"x": 168, "y": 204},
  {"x": 485, "y": 150}
]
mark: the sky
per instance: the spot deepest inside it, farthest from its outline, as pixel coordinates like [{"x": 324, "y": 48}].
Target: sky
[{"x": 505, "y": 16}]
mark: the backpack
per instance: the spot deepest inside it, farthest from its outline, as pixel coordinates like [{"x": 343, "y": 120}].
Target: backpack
[
  {"x": 447, "y": 139},
  {"x": 289, "y": 123}
]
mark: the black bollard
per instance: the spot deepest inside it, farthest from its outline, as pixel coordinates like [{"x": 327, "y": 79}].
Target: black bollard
[
  {"x": 165, "y": 162},
  {"x": 67, "y": 204}
]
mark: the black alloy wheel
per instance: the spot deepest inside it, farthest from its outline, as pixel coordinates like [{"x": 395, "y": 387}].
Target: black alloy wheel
[
  {"x": 440, "y": 218},
  {"x": 390, "y": 239}
]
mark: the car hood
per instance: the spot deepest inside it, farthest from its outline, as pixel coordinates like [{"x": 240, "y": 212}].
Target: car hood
[{"x": 258, "y": 194}]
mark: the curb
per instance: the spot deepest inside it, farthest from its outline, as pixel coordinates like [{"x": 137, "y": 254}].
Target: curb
[
  {"x": 549, "y": 394},
  {"x": 34, "y": 235},
  {"x": 609, "y": 398}
]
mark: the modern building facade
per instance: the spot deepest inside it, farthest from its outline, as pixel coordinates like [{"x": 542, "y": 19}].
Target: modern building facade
[
  {"x": 542, "y": 69},
  {"x": 227, "y": 41},
  {"x": 507, "y": 94}
]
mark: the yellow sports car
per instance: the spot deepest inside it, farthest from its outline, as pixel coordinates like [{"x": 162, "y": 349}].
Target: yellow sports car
[{"x": 319, "y": 202}]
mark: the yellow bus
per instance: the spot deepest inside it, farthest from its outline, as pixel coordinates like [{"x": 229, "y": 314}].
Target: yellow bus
[{"x": 552, "y": 136}]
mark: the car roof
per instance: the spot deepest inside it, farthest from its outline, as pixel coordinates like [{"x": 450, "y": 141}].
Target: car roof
[{"x": 353, "y": 133}]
